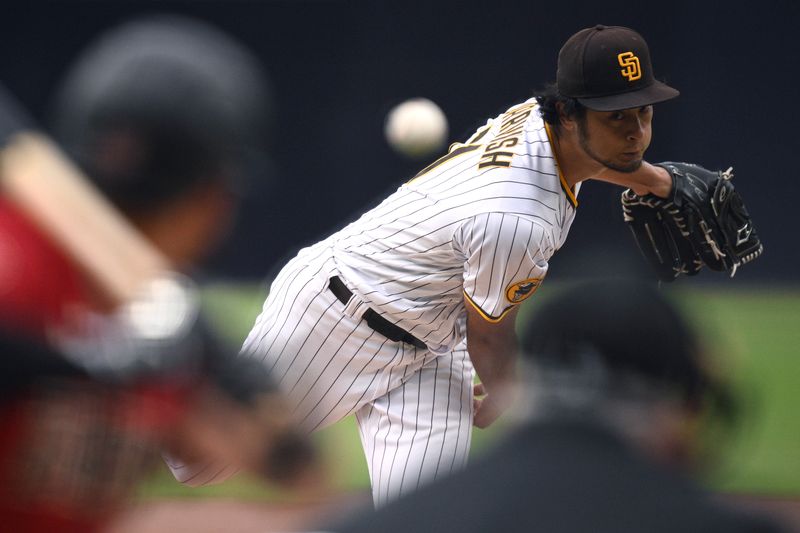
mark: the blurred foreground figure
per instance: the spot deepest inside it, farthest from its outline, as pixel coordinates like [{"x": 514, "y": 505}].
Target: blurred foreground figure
[
  {"x": 161, "y": 114},
  {"x": 169, "y": 117},
  {"x": 75, "y": 446},
  {"x": 615, "y": 387}
]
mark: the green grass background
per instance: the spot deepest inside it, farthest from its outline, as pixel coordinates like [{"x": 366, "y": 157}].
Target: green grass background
[{"x": 754, "y": 334}]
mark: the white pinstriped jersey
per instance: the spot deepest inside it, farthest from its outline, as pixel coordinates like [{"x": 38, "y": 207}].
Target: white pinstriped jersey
[{"x": 483, "y": 221}]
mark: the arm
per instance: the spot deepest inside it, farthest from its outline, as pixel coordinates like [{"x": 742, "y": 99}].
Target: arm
[
  {"x": 646, "y": 179},
  {"x": 492, "y": 348}
]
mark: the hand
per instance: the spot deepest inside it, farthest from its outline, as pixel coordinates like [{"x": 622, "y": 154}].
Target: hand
[
  {"x": 660, "y": 183},
  {"x": 647, "y": 179},
  {"x": 487, "y": 408}
]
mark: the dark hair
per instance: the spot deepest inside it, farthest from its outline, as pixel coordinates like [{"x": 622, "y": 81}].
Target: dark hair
[{"x": 548, "y": 99}]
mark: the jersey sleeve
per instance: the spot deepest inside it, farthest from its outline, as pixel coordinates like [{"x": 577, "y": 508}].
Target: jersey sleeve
[{"x": 505, "y": 261}]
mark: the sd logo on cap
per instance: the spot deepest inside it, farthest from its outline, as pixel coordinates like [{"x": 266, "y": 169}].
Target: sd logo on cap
[{"x": 607, "y": 68}]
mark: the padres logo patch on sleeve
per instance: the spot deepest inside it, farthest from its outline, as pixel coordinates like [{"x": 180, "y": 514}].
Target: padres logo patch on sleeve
[{"x": 517, "y": 292}]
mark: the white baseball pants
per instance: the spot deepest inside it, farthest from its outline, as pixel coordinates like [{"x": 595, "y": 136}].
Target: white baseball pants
[{"x": 413, "y": 408}]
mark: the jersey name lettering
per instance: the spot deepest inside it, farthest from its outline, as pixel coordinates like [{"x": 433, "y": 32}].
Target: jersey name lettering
[{"x": 510, "y": 129}]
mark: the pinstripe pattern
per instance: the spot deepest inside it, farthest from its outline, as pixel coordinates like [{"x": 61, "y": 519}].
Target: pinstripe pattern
[
  {"x": 479, "y": 222},
  {"x": 461, "y": 227},
  {"x": 420, "y": 430},
  {"x": 328, "y": 363}
]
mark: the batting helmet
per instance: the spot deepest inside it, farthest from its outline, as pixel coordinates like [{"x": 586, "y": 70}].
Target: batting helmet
[{"x": 159, "y": 104}]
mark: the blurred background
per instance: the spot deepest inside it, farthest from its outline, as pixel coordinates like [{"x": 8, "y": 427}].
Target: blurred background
[{"x": 337, "y": 68}]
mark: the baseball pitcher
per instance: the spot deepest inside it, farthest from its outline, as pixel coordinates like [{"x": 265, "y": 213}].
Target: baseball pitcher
[{"x": 390, "y": 317}]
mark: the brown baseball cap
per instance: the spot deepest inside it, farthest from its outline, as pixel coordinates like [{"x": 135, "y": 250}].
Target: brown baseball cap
[{"x": 608, "y": 68}]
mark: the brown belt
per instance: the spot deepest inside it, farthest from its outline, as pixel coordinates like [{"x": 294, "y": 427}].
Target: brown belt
[{"x": 373, "y": 319}]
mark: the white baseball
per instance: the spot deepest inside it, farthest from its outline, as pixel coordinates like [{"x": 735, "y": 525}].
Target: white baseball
[{"x": 416, "y": 128}]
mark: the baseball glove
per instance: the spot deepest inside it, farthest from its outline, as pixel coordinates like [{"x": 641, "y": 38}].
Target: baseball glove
[{"x": 702, "y": 222}]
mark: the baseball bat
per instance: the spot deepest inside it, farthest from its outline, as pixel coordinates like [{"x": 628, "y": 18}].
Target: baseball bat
[{"x": 41, "y": 180}]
